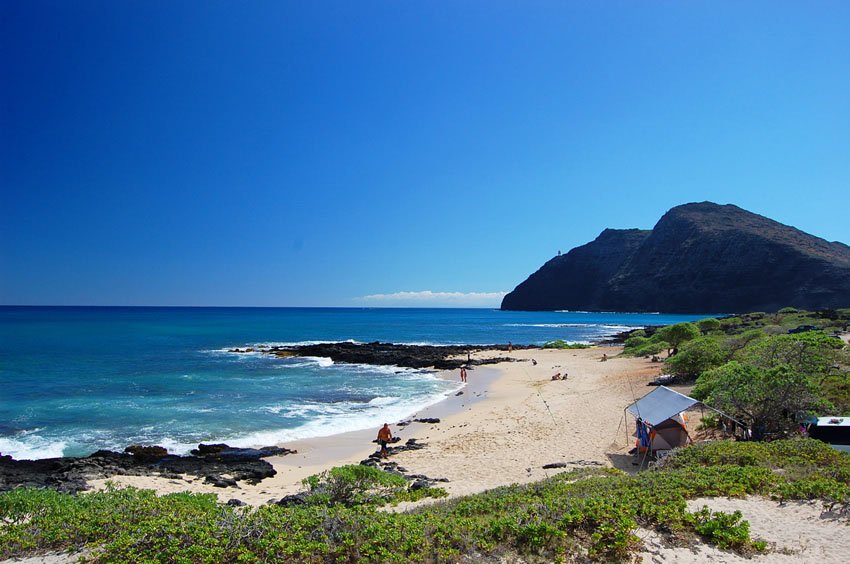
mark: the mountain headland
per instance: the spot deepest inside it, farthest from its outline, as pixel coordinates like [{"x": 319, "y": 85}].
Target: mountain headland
[{"x": 699, "y": 258}]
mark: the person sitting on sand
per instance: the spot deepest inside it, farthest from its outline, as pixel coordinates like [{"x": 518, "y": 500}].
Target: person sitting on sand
[
  {"x": 384, "y": 436},
  {"x": 556, "y": 376}
]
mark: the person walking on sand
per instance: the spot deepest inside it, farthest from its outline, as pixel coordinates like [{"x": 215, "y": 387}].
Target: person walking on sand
[
  {"x": 510, "y": 347},
  {"x": 384, "y": 436},
  {"x": 463, "y": 373}
]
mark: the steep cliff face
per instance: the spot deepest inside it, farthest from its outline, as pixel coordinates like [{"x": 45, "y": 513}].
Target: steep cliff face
[
  {"x": 578, "y": 279},
  {"x": 698, "y": 258}
]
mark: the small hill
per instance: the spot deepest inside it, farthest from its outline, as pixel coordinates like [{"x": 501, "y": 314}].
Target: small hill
[{"x": 699, "y": 258}]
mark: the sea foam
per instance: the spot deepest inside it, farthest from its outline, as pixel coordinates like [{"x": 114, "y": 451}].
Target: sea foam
[{"x": 32, "y": 447}]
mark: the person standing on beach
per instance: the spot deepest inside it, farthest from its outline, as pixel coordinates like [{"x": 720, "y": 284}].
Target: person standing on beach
[
  {"x": 384, "y": 436},
  {"x": 463, "y": 373}
]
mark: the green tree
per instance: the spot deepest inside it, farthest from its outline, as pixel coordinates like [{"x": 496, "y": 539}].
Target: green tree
[
  {"x": 697, "y": 356},
  {"x": 677, "y": 334},
  {"x": 770, "y": 401},
  {"x": 742, "y": 340},
  {"x": 813, "y": 353},
  {"x": 708, "y": 325}
]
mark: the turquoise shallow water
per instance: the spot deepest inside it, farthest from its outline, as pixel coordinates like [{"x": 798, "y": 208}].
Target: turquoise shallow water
[{"x": 77, "y": 379}]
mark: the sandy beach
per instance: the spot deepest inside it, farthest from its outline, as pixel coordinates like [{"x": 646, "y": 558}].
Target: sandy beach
[{"x": 510, "y": 421}]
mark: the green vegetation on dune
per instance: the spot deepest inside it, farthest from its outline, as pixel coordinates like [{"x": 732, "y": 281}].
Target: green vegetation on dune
[
  {"x": 769, "y": 371},
  {"x": 590, "y": 513}
]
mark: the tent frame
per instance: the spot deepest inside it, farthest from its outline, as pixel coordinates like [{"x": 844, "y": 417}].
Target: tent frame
[{"x": 702, "y": 405}]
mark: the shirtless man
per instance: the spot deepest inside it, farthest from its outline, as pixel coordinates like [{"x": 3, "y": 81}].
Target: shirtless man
[{"x": 384, "y": 436}]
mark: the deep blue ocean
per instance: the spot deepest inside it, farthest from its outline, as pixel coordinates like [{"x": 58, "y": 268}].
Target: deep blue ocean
[{"x": 77, "y": 379}]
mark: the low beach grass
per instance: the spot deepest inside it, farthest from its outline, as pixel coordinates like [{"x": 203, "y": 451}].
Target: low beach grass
[{"x": 580, "y": 514}]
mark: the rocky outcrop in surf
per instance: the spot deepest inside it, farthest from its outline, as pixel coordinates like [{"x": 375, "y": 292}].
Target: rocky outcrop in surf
[
  {"x": 219, "y": 465},
  {"x": 390, "y": 354}
]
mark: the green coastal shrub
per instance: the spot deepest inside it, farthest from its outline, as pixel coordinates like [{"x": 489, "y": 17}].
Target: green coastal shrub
[
  {"x": 741, "y": 340},
  {"x": 356, "y": 484},
  {"x": 731, "y": 323},
  {"x": 709, "y": 325},
  {"x": 638, "y": 344},
  {"x": 726, "y": 530},
  {"x": 647, "y": 348},
  {"x": 576, "y": 515},
  {"x": 561, "y": 344},
  {"x": 697, "y": 356},
  {"x": 635, "y": 341},
  {"x": 770, "y": 401},
  {"x": 677, "y": 334}
]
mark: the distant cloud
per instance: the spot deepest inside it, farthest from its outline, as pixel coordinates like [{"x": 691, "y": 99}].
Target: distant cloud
[{"x": 427, "y": 298}]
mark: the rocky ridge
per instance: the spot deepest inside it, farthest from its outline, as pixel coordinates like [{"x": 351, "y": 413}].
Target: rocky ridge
[{"x": 699, "y": 258}]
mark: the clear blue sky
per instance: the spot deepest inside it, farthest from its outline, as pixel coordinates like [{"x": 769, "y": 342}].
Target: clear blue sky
[{"x": 316, "y": 153}]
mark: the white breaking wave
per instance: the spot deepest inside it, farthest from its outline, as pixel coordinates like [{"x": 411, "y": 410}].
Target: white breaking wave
[
  {"x": 262, "y": 348},
  {"x": 311, "y": 361},
  {"x": 427, "y": 344},
  {"x": 32, "y": 448},
  {"x": 381, "y": 401},
  {"x": 378, "y": 411},
  {"x": 608, "y": 312},
  {"x": 242, "y": 351},
  {"x": 582, "y": 325},
  {"x": 270, "y": 344}
]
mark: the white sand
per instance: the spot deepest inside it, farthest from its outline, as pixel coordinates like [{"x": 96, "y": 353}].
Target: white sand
[
  {"x": 795, "y": 532},
  {"x": 509, "y": 422}
]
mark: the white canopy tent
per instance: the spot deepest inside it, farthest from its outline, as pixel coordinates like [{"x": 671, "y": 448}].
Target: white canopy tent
[
  {"x": 660, "y": 404},
  {"x": 660, "y": 420}
]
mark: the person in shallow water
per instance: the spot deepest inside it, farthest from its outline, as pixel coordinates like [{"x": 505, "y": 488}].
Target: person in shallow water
[{"x": 384, "y": 436}]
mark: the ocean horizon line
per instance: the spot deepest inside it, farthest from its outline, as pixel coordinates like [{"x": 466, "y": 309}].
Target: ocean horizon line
[{"x": 250, "y": 307}]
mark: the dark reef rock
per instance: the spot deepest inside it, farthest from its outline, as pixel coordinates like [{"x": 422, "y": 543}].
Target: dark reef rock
[
  {"x": 699, "y": 258},
  {"x": 70, "y": 474},
  {"x": 226, "y": 452},
  {"x": 147, "y": 453},
  {"x": 417, "y": 481},
  {"x": 389, "y": 354},
  {"x": 554, "y": 465},
  {"x": 294, "y": 499}
]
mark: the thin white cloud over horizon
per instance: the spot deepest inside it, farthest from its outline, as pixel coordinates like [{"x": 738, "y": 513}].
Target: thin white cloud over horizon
[{"x": 434, "y": 299}]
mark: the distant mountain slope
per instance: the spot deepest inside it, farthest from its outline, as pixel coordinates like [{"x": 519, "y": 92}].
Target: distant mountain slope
[{"x": 699, "y": 258}]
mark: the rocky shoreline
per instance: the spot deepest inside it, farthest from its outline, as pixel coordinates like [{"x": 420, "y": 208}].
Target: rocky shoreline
[
  {"x": 221, "y": 465},
  {"x": 389, "y": 354}
]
